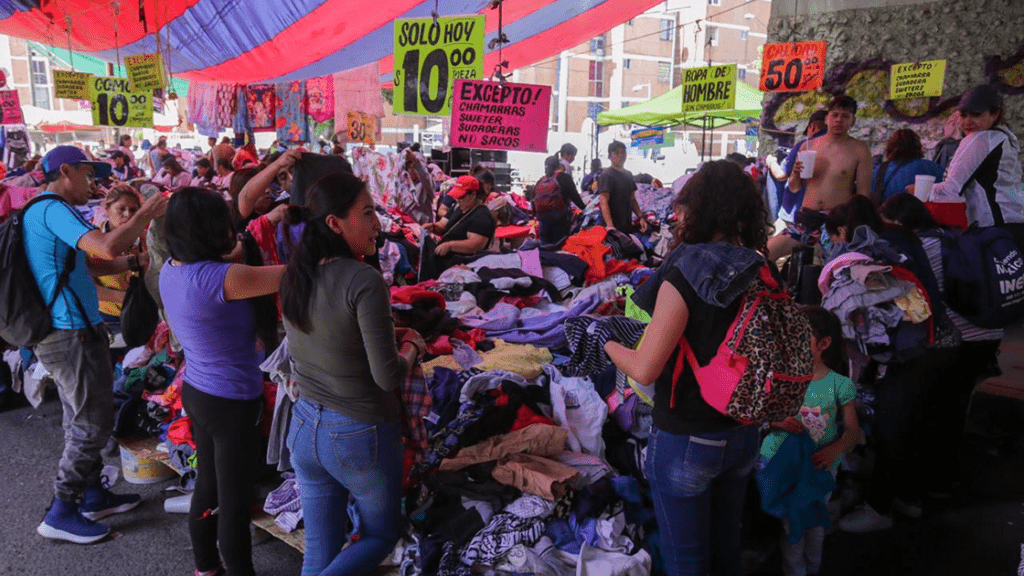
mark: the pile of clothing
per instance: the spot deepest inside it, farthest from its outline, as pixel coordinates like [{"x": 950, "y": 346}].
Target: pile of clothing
[{"x": 884, "y": 309}]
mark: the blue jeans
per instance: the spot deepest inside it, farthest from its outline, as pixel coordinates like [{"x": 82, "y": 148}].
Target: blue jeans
[
  {"x": 698, "y": 483},
  {"x": 335, "y": 456}
]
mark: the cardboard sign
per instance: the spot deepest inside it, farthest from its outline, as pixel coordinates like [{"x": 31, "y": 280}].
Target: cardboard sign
[
  {"x": 362, "y": 127},
  {"x": 916, "y": 80},
  {"x": 116, "y": 103},
  {"x": 430, "y": 57},
  {"x": 146, "y": 71},
  {"x": 793, "y": 66},
  {"x": 709, "y": 88},
  {"x": 495, "y": 116},
  {"x": 647, "y": 137},
  {"x": 11, "y": 106},
  {"x": 72, "y": 85}
]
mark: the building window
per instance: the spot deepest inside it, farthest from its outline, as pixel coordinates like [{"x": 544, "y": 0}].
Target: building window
[
  {"x": 597, "y": 46},
  {"x": 626, "y": 64},
  {"x": 596, "y": 78},
  {"x": 629, "y": 22},
  {"x": 713, "y": 35},
  {"x": 667, "y": 27},
  {"x": 664, "y": 72},
  {"x": 741, "y": 73},
  {"x": 40, "y": 83},
  {"x": 744, "y": 34}
]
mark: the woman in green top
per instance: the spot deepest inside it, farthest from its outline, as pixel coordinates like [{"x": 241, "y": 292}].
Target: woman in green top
[{"x": 345, "y": 431}]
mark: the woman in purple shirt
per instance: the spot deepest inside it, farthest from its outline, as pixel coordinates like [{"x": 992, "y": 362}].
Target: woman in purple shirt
[{"x": 205, "y": 301}]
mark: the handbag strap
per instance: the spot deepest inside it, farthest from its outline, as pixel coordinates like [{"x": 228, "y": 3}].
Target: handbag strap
[
  {"x": 878, "y": 192},
  {"x": 462, "y": 217}
]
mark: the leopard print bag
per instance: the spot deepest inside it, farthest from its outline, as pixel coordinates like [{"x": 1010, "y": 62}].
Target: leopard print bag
[{"x": 762, "y": 368}]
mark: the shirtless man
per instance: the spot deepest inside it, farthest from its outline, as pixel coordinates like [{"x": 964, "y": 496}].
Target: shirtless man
[{"x": 842, "y": 162}]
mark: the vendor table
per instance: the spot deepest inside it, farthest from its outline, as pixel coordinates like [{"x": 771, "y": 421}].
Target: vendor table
[{"x": 512, "y": 232}]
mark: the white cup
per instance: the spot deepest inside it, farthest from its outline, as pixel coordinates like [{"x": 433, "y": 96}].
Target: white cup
[
  {"x": 807, "y": 157},
  {"x": 178, "y": 504},
  {"x": 923, "y": 186}
]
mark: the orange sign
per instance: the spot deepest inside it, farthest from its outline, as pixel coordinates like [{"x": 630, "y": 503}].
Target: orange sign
[
  {"x": 362, "y": 127},
  {"x": 793, "y": 66}
]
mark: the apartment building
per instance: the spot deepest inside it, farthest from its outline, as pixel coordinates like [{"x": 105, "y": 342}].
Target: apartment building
[
  {"x": 642, "y": 58},
  {"x": 29, "y": 71}
]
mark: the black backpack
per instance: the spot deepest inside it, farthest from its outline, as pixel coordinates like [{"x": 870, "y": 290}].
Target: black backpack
[{"x": 24, "y": 315}]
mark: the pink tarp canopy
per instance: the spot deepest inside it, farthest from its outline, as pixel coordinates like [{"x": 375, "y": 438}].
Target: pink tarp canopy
[{"x": 248, "y": 41}]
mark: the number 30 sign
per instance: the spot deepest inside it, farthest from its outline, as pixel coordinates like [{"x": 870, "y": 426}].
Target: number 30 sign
[{"x": 793, "y": 66}]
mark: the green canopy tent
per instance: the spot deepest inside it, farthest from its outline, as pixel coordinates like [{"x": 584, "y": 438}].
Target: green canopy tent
[{"x": 665, "y": 110}]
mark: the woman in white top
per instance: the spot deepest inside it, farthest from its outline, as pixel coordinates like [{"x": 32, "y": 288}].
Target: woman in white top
[{"x": 986, "y": 171}]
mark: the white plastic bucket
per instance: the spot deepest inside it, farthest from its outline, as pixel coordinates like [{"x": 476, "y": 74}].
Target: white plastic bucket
[{"x": 143, "y": 470}]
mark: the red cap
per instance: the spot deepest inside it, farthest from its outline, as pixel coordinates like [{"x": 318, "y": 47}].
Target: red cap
[{"x": 464, "y": 185}]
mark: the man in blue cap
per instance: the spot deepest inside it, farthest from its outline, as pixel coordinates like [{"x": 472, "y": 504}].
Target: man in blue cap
[{"x": 77, "y": 352}]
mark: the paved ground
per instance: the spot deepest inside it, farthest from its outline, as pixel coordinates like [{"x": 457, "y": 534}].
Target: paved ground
[
  {"x": 978, "y": 533},
  {"x": 147, "y": 541}
]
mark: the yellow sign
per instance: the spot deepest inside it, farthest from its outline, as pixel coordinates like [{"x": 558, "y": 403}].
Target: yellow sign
[
  {"x": 146, "y": 71},
  {"x": 116, "y": 103},
  {"x": 709, "y": 88},
  {"x": 916, "y": 79},
  {"x": 73, "y": 85},
  {"x": 430, "y": 56},
  {"x": 362, "y": 127}
]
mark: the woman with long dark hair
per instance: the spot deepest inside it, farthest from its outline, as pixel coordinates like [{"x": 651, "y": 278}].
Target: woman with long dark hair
[
  {"x": 204, "y": 174},
  {"x": 902, "y": 162},
  {"x": 904, "y": 387},
  {"x": 698, "y": 460},
  {"x": 172, "y": 176},
  {"x": 204, "y": 299},
  {"x": 973, "y": 359},
  {"x": 345, "y": 431}
]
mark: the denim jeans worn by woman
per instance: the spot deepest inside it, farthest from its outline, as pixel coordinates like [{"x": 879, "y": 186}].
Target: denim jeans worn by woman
[
  {"x": 698, "y": 459},
  {"x": 702, "y": 478},
  {"x": 329, "y": 453}
]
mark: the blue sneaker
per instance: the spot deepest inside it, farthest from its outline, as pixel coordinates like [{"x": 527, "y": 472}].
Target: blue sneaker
[
  {"x": 99, "y": 503},
  {"x": 64, "y": 521}
]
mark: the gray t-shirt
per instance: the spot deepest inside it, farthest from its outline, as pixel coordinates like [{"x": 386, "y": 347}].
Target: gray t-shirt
[{"x": 349, "y": 362}]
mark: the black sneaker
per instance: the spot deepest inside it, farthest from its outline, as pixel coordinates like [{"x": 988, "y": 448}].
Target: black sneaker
[{"x": 99, "y": 503}]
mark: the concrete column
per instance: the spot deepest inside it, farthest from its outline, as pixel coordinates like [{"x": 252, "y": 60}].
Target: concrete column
[
  {"x": 615, "y": 80},
  {"x": 563, "y": 89}
]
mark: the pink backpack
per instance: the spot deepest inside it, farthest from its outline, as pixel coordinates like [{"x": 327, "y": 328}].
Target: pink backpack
[{"x": 762, "y": 368}]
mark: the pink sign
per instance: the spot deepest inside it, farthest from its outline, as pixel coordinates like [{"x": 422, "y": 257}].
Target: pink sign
[
  {"x": 11, "y": 106},
  {"x": 495, "y": 116}
]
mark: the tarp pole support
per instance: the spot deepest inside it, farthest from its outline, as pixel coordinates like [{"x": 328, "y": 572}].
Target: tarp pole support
[
  {"x": 117, "y": 46},
  {"x": 500, "y": 40},
  {"x": 67, "y": 29}
]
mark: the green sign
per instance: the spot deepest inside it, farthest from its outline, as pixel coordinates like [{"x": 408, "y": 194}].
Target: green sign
[
  {"x": 74, "y": 85},
  {"x": 114, "y": 103},
  {"x": 916, "y": 80},
  {"x": 146, "y": 71},
  {"x": 709, "y": 88},
  {"x": 430, "y": 55}
]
